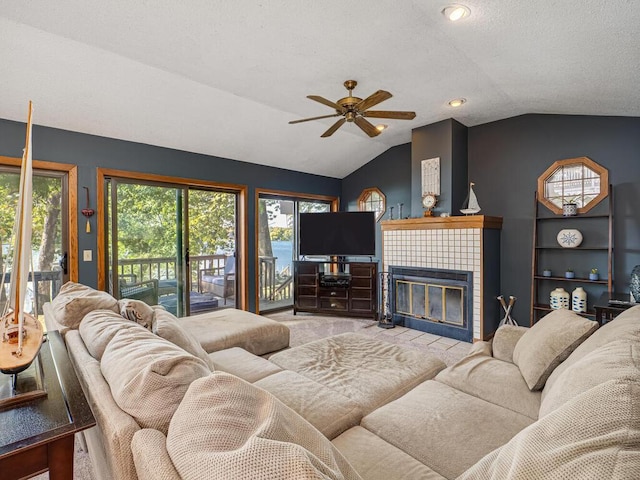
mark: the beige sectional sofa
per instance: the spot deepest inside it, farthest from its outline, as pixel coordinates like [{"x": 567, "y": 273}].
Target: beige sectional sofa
[{"x": 560, "y": 400}]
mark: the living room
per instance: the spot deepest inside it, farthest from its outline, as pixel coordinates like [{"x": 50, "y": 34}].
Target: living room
[{"x": 126, "y": 89}]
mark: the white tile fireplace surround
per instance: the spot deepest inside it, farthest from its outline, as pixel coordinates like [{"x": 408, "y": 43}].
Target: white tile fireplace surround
[{"x": 470, "y": 243}]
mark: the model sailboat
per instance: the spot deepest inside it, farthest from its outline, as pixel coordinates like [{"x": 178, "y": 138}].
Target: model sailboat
[
  {"x": 470, "y": 205},
  {"x": 20, "y": 333}
]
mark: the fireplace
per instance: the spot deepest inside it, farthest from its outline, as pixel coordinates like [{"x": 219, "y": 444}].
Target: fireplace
[{"x": 436, "y": 301}]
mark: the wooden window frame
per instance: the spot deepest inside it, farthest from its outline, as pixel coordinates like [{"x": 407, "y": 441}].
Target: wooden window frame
[{"x": 362, "y": 201}]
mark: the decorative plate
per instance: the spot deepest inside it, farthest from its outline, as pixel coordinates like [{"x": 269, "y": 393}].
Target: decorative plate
[{"x": 569, "y": 238}]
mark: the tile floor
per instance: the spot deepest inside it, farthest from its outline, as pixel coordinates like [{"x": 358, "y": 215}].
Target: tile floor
[{"x": 423, "y": 338}]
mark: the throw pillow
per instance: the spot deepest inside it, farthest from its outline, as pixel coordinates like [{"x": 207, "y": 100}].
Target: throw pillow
[
  {"x": 99, "y": 327},
  {"x": 227, "y": 428},
  {"x": 505, "y": 340},
  {"x": 136, "y": 311},
  {"x": 167, "y": 326},
  {"x": 593, "y": 436},
  {"x": 75, "y": 300},
  {"x": 148, "y": 376},
  {"x": 548, "y": 343},
  {"x": 616, "y": 360}
]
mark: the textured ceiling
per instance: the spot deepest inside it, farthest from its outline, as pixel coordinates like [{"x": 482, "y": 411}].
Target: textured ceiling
[{"x": 224, "y": 77}]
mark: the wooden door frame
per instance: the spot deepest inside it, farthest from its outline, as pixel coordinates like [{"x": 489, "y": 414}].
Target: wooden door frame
[
  {"x": 242, "y": 243},
  {"x": 292, "y": 196},
  {"x": 71, "y": 172}
]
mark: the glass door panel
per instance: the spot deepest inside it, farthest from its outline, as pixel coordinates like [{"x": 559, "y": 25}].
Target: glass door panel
[
  {"x": 212, "y": 245},
  {"x": 277, "y": 247},
  {"x": 49, "y": 235},
  {"x": 146, "y": 244}
]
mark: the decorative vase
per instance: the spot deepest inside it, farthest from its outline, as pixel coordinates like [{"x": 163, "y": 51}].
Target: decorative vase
[
  {"x": 559, "y": 298},
  {"x": 569, "y": 238},
  {"x": 634, "y": 284},
  {"x": 569, "y": 275},
  {"x": 546, "y": 272},
  {"x": 569, "y": 209},
  {"x": 579, "y": 300}
]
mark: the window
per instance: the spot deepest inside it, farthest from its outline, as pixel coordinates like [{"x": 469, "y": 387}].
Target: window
[
  {"x": 574, "y": 180},
  {"x": 372, "y": 200}
]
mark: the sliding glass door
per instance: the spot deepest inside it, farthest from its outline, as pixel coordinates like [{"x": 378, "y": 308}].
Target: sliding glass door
[
  {"x": 172, "y": 245},
  {"x": 277, "y": 246},
  {"x": 50, "y": 234}
]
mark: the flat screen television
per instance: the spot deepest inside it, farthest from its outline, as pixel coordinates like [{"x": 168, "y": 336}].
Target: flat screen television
[{"x": 338, "y": 233}]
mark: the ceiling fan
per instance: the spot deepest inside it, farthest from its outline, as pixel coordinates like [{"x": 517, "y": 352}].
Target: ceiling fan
[{"x": 354, "y": 109}]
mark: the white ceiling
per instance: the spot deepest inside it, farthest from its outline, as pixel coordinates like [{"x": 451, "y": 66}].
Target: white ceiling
[{"x": 224, "y": 77}]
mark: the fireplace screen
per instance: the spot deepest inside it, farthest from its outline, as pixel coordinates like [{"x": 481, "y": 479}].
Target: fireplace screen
[{"x": 437, "y": 303}]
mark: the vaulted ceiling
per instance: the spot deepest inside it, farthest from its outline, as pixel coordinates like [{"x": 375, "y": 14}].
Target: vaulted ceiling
[{"x": 224, "y": 78}]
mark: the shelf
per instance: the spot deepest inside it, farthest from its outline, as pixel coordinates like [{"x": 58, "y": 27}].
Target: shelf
[
  {"x": 544, "y": 307},
  {"x": 574, "y": 249},
  {"x": 576, "y": 279},
  {"x": 603, "y": 215}
]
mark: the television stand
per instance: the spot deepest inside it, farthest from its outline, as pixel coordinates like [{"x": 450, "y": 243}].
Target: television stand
[{"x": 336, "y": 287}]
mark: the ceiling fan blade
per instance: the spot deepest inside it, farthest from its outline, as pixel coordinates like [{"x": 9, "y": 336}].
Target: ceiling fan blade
[
  {"x": 333, "y": 128},
  {"x": 314, "y": 118},
  {"x": 367, "y": 127},
  {"x": 389, "y": 114},
  {"x": 326, "y": 102},
  {"x": 373, "y": 99}
]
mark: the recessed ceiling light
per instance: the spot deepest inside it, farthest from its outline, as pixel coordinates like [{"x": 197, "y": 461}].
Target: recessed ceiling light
[
  {"x": 457, "y": 102},
  {"x": 381, "y": 127},
  {"x": 456, "y": 12}
]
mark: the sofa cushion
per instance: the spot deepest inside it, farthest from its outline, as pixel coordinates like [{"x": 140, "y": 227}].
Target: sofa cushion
[
  {"x": 505, "y": 340},
  {"x": 595, "y": 435},
  {"x": 99, "y": 327},
  {"x": 625, "y": 326},
  {"x": 329, "y": 411},
  {"x": 228, "y": 327},
  {"x": 237, "y": 361},
  {"x": 548, "y": 343},
  {"x": 615, "y": 360},
  {"x": 369, "y": 371},
  {"x": 167, "y": 326},
  {"x": 148, "y": 375},
  {"x": 493, "y": 380},
  {"x": 227, "y": 428},
  {"x": 75, "y": 300},
  {"x": 375, "y": 459},
  {"x": 136, "y": 311},
  {"x": 444, "y": 428}
]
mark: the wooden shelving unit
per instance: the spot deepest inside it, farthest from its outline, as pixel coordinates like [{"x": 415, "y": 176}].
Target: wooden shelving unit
[{"x": 556, "y": 257}]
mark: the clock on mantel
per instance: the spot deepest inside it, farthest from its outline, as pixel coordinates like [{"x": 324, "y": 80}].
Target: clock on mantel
[{"x": 429, "y": 201}]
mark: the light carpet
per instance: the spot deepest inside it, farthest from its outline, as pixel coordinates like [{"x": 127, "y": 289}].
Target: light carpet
[{"x": 307, "y": 328}]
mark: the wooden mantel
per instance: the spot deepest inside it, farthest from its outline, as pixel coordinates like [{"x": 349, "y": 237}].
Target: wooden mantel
[{"x": 439, "y": 223}]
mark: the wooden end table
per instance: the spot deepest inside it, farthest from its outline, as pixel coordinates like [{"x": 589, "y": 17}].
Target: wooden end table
[
  {"x": 606, "y": 310},
  {"x": 37, "y": 436}
]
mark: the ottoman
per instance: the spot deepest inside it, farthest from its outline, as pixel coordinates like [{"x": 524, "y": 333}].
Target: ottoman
[{"x": 368, "y": 371}]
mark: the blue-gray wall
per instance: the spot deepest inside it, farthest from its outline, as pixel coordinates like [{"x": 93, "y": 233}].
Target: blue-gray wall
[
  {"x": 505, "y": 159},
  {"x": 89, "y": 152}
]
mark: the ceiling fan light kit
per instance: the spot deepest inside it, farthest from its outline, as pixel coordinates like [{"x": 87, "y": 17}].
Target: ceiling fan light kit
[{"x": 354, "y": 110}]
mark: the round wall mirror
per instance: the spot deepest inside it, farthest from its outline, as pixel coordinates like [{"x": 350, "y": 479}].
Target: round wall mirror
[
  {"x": 372, "y": 200},
  {"x": 579, "y": 181}
]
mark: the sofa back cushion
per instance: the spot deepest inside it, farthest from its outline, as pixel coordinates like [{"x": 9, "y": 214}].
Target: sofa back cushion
[
  {"x": 615, "y": 360},
  {"x": 592, "y": 436},
  {"x": 136, "y": 311},
  {"x": 75, "y": 300},
  {"x": 99, "y": 327},
  {"x": 167, "y": 326},
  {"x": 148, "y": 375},
  {"x": 625, "y": 326},
  {"x": 548, "y": 343},
  {"x": 228, "y": 428}
]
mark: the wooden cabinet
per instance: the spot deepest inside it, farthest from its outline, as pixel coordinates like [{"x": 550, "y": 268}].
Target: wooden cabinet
[
  {"x": 339, "y": 288},
  {"x": 595, "y": 251}
]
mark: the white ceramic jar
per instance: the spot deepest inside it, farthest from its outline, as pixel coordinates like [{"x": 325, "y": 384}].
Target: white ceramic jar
[
  {"x": 559, "y": 298},
  {"x": 579, "y": 300}
]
